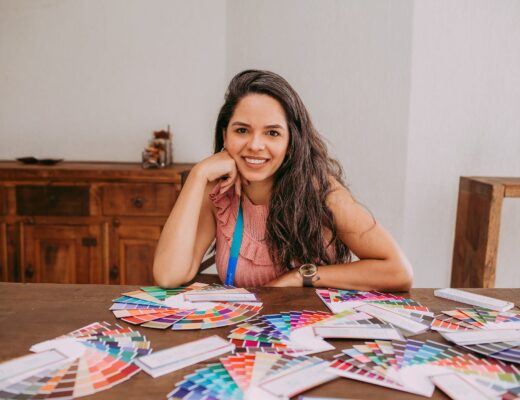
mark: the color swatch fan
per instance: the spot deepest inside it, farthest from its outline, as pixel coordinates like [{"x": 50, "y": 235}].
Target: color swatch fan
[
  {"x": 408, "y": 366},
  {"x": 494, "y": 332},
  {"x": 154, "y": 307},
  {"x": 293, "y": 332},
  {"x": 253, "y": 376},
  {"x": 338, "y": 300},
  {"x": 88, "y": 360}
]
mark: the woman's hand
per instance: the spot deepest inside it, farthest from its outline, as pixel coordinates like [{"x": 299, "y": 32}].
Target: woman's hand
[
  {"x": 222, "y": 166},
  {"x": 289, "y": 279}
]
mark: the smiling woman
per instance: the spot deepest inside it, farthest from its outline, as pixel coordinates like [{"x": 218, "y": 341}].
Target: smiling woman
[
  {"x": 276, "y": 204},
  {"x": 257, "y": 139}
]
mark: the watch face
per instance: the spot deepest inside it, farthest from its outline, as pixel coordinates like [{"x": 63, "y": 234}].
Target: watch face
[{"x": 308, "y": 270}]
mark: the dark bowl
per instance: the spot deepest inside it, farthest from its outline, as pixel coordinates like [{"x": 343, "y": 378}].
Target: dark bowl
[
  {"x": 50, "y": 161},
  {"x": 28, "y": 160}
]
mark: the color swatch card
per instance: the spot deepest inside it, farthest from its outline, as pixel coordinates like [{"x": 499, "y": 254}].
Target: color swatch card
[
  {"x": 88, "y": 360},
  {"x": 486, "y": 325},
  {"x": 375, "y": 331},
  {"x": 177, "y": 357},
  {"x": 224, "y": 293},
  {"x": 254, "y": 376},
  {"x": 278, "y": 331},
  {"x": 338, "y": 300},
  {"x": 463, "y": 296},
  {"x": 476, "y": 318},
  {"x": 409, "y": 365},
  {"x": 483, "y": 336},
  {"x": 458, "y": 387},
  {"x": 155, "y": 307}
]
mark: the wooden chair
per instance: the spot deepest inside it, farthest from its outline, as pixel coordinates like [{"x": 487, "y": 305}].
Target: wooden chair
[{"x": 477, "y": 229}]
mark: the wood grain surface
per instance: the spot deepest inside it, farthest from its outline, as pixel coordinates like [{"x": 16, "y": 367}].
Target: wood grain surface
[{"x": 31, "y": 313}]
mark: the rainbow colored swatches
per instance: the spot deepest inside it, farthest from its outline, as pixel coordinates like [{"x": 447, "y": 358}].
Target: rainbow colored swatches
[
  {"x": 472, "y": 318},
  {"x": 338, "y": 300},
  {"x": 382, "y": 362},
  {"x": 106, "y": 362},
  {"x": 147, "y": 307},
  {"x": 233, "y": 375}
]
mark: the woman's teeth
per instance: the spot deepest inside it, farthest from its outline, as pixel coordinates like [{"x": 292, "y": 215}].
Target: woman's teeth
[{"x": 255, "y": 161}]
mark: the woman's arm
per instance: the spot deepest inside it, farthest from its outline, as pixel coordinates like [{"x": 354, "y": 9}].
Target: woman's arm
[
  {"x": 382, "y": 264},
  {"x": 190, "y": 228}
]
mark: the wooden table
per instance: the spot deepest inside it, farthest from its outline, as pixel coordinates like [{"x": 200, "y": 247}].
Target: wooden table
[
  {"x": 31, "y": 313},
  {"x": 478, "y": 225}
]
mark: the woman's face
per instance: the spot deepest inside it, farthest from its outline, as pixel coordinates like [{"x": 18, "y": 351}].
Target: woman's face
[{"x": 257, "y": 137}]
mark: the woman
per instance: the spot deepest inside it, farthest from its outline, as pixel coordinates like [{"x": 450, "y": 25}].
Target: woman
[{"x": 275, "y": 203}]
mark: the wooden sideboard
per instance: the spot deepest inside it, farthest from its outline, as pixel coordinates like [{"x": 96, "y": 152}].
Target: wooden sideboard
[{"x": 83, "y": 222}]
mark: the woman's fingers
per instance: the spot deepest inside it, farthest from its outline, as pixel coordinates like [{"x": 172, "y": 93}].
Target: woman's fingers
[{"x": 229, "y": 181}]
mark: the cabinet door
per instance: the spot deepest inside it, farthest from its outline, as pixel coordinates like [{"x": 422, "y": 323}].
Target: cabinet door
[
  {"x": 4, "y": 272},
  {"x": 132, "y": 253},
  {"x": 61, "y": 253}
]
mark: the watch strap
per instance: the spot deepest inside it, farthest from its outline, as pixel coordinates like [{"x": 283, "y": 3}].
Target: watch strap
[{"x": 307, "y": 281}]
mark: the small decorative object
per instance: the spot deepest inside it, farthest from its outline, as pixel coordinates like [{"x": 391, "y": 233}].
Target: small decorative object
[
  {"x": 159, "y": 152},
  {"x": 42, "y": 161}
]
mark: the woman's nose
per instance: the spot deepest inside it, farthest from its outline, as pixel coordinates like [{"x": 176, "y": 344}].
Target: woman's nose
[{"x": 256, "y": 143}]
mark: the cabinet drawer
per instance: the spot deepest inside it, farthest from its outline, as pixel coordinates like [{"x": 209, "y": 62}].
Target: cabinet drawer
[
  {"x": 52, "y": 200},
  {"x": 3, "y": 207},
  {"x": 138, "y": 199}
]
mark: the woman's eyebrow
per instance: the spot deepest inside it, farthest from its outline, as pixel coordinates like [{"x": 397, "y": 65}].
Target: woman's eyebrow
[{"x": 273, "y": 126}]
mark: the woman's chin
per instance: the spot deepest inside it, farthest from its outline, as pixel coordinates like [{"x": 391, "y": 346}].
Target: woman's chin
[{"x": 255, "y": 177}]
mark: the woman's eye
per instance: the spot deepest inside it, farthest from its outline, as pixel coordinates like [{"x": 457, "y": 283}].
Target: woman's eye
[
  {"x": 273, "y": 133},
  {"x": 241, "y": 130}
]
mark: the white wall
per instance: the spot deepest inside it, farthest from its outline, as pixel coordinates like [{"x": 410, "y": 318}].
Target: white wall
[
  {"x": 464, "y": 120},
  {"x": 411, "y": 95},
  {"x": 91, "y": 79},
  {"x": 350, "y": 63}
]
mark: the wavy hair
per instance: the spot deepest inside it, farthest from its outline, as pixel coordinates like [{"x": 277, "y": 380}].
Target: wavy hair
[{"x": 298, "y": 215}]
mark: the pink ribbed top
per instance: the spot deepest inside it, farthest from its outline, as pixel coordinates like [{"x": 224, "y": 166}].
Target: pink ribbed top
[{"x": 254, "y": 266}]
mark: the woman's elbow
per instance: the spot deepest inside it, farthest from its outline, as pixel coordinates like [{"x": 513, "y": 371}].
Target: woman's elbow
[
  {"x": 403, "y": 277},
  {"x": 167, "y": 278}
]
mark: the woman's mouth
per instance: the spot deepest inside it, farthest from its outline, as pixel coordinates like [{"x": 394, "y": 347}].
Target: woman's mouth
[{"x": 255, "y": 161}]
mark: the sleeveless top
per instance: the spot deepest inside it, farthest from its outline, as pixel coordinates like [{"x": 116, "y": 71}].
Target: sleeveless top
[{"x": 254, "y": 266}]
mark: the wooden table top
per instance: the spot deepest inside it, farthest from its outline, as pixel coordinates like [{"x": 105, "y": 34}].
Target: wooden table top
[{"x": 31, "y": 313}]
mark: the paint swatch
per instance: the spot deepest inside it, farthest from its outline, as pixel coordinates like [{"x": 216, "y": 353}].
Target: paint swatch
[
  {"x": 486, "y": 321},
  {"x": 255, "y": 375},
  {"x": 284, "y": 332},
  {"x": 338, "y": 300},
  {"x": 158, "y": 308},
  {"x": 106, "y": 359},
  {"x": 408, "y": 365}
]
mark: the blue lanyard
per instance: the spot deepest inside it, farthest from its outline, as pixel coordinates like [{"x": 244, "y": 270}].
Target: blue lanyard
[{"x": 235, "y": 246}]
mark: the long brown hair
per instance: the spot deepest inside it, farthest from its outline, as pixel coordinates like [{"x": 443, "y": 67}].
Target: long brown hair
[{"x": 298, "y": 215}]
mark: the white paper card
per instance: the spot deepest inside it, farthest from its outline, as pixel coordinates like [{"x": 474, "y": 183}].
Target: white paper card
[
  {"x": 473, "y": 299},
  {"x": 15, "y": 370},
  {"x": 178, "y": 301},
  {"x": 482, "y": 336},
  {"x": 457, "y": 387},
  {"x": 358, "y": 332},
  {"x": 297, "y": 381},
  {"x": 210, "y": 296},
  {"x": 304, "y": 338},
  {"x": 184, "y": 355},
  {"x": 393, "y": 318}
]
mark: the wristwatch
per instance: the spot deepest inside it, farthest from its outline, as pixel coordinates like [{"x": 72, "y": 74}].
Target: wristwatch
[{"x": 308, "y": 272}]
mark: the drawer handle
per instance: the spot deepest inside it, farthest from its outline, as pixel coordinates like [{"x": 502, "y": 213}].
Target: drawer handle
[
  {"x": 29, "y": 271},
  {"x": 114, "y": 272},
  {"x": 138, "y": 202},
  {"x": 116, "y": 222}
]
